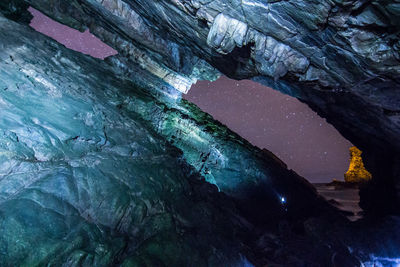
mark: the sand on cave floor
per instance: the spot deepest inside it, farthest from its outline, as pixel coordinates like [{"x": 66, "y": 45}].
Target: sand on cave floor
[{"x": 344, "y": 198}]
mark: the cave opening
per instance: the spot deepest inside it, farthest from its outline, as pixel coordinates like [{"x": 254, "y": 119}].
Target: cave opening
[
  {"x": 119, "y": 174},
  {"x": 83, "y": 42},
  {"x": 288, "y": 128},
  {"x": 280, "y": 123}
]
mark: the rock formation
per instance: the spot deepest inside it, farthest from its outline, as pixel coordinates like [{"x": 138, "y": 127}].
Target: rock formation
[
  {"x": 339, "y": 57},
  {"x": 356, "y": 172},
  {"x": 102, "y": 163}
]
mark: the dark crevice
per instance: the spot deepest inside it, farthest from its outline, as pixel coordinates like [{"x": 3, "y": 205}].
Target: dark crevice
[
  {"x": 203, "y": 23},
  {"x": 241, "y": 63},
  {"x": 389, "y": 112},
  {"x": 363, "y": 5},
  {"x": 16, "y": 10}
]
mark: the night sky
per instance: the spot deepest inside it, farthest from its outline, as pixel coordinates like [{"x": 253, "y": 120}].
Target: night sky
[
  {"x": 267, "y": 118},
  {"x": 277, "y": 122},
  {"x": 85, "y": 42}
]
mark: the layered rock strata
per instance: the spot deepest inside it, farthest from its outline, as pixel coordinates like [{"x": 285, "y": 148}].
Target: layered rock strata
[
  {"x": 339, "y": 57},
  {"x": 102, "y": 162},
  {"x": 92, "y": 173}
]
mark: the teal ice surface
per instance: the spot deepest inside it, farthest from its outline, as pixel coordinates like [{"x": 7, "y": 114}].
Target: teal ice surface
[
  {"x": 103, "y": 163},
  {"x": 84, "y": 181}
]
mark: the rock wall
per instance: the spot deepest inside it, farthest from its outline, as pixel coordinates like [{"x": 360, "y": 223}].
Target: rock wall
[
  {"x": 87, "y": 182},
  {"x": 339, "y": 57},
  {"x": 102, "y": 163},
  {"x": 91, "y": 173}
]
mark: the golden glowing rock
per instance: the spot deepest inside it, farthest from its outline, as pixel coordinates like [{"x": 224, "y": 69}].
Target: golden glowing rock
[{"x": 356, "y": 172}]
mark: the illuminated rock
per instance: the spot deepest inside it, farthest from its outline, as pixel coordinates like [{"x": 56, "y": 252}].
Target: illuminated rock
[
  {"x": 340, "y": 57},
  {"x": 102, "y": 163},
  {"x": 356, "y": 172}
]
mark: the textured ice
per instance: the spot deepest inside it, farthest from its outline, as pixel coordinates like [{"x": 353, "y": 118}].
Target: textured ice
[{"x": 102, "y": 163}]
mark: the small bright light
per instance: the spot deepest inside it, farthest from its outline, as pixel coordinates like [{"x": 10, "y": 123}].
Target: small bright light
[{"x": 283, "y": 200}]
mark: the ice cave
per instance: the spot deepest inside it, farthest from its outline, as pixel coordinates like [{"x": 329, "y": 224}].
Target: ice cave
[{"x": 104, "y": 162}]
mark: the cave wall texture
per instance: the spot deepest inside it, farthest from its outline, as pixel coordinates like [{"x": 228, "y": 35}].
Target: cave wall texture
[
  {"x": 103, "y": 163},
  {"x": 339, "y": 57}
]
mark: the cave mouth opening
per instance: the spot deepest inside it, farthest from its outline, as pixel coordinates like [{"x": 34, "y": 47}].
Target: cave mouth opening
[
  {"x": 288, "y": 128},
  {"x": 277, "y": 122},
  {"x": 83, "y": 42}
]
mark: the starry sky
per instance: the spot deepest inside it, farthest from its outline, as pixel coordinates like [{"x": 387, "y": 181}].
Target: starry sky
[
  {"x": 84, "y": 42},
  {"x": 277, "y": 122},
  {"x": 263, "y": 116}
]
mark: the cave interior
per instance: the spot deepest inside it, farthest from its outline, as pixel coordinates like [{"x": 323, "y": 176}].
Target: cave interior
[{"x": 103, "y": 162}]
